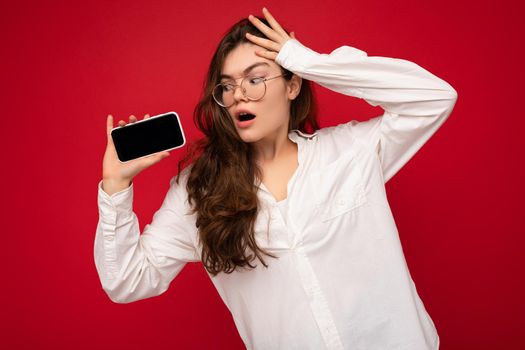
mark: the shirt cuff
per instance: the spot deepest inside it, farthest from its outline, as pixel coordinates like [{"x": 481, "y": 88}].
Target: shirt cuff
[
  {"x": 118, "y": 204},
  {"x": 293, "y": 53}
]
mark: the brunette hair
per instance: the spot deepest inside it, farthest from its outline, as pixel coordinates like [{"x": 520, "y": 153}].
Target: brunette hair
[{"x": 223, "y": 178}]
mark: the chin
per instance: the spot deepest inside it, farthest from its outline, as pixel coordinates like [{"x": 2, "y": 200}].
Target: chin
[{"x": 249, "y": 137}]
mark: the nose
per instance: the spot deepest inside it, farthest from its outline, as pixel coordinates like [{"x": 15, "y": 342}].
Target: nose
[{"x": 238, "y": 94}]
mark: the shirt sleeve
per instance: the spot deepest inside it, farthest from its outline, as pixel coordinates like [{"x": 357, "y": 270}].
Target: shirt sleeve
[
  {"x": 133, "y": 266},
  {"x": 415, "y": 102}
]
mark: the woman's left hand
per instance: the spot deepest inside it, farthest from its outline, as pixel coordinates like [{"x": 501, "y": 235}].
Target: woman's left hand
[{"x": 276, "y": 35}]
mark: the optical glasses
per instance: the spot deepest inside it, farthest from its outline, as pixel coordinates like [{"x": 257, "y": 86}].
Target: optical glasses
[{"x": 252, "y": 87}]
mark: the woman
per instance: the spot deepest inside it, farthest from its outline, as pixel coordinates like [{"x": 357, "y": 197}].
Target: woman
[{"x": 265, "y": 180}]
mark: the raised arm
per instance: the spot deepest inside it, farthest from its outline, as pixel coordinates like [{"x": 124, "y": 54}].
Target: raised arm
[
  {"x": 133, "y": 266},
  {"x": 416, "y": 102}
]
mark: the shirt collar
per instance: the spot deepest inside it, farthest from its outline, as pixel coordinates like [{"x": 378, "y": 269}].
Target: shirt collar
[
  {"x": 298, "y": 137},
  {"x": 296, "y": 134}
]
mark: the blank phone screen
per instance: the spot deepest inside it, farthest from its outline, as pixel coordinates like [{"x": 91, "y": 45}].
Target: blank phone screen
[{"x": 145, "y": 137}]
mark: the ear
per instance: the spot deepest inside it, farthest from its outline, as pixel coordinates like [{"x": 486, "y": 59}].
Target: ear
[{"x": 294, "y": 87}]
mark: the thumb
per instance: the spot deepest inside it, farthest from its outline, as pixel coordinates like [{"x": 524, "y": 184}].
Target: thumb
[
  {"x": 292, "y": 34},
  {"x": 109, "y": 127},
  {"x": 157, "y": 157}
]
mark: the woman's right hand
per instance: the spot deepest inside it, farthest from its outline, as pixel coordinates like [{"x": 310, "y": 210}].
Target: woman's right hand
[{"x": 113, "y": 171}]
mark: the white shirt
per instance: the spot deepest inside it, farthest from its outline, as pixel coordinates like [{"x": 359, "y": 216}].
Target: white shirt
[
  {"x": 283, "y": 207},
  {"x": 341, "y": 280}
]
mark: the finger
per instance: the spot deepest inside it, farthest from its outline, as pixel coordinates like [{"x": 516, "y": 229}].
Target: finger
[
  {"x": 267, "y": 54},
  {"x": 132, "y": 119},
  {"x": 121, "y": 123},
  {"x": 275, "y": 25},
  {"x": 109, "y": 127},
  {"x": 270, "y": 33},
  {"x": 292, "y": 34},
  {"x": 268, "y": 44},
  {"x": 146, "y": 116},
  {"x": 155, "y": 158},
  {"x": 109, "y": 124}
]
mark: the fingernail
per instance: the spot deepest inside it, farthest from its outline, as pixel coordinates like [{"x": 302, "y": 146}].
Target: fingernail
[{"x": 264, "y": 9}]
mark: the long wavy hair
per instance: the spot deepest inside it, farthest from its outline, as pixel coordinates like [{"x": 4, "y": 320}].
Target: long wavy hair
[{"x": 223, "y": 177}]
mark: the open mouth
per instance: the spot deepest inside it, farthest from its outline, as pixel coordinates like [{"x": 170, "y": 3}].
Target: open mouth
[{"x": 246, "y": 116}]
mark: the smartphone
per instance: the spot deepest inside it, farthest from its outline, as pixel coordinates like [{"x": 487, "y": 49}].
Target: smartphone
[{"x": 142, "y": 138}]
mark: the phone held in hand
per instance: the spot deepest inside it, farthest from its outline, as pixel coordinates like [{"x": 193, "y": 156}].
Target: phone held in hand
[{"x": 142, "y": 138}]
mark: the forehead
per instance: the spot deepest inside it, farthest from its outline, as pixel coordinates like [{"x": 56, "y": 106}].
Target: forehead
[{"x": 242, "y": 57}]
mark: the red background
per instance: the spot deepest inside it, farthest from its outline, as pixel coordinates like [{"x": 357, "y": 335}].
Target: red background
[{"x": 65, "y": 66}]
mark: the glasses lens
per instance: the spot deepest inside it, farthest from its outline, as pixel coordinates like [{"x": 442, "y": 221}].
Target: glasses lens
[
  {"x": 220, "y": 92},
  {"x": 254, "y": 87}
]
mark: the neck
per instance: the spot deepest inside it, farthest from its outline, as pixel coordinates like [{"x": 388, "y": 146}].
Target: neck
[{"x": 274, "y": 147}]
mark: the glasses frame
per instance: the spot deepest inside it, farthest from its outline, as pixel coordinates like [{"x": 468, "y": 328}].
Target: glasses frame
[{"x": 235, "y": 86}]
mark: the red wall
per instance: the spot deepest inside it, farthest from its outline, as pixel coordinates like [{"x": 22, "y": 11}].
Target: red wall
[{"x": 66, "y": 66}]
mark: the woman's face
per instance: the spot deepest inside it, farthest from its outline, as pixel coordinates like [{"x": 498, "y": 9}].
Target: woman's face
[{"x": 272, "y": 112}]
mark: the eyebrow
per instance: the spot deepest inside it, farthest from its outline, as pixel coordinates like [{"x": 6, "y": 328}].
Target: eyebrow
[{"x": 247, "y": 69}]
